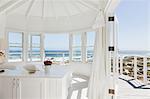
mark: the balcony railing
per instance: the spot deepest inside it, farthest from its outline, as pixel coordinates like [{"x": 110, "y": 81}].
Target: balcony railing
[{"x": 135, "y": 66}]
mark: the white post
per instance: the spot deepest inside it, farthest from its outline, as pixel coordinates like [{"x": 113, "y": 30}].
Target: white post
[
  {"x": 117, "y": 64},
  {"x": 70, "y": 46},
  {"x": 110, "y": 32},
  {"x": 121, "y": 65},
  {"x": 145, "y": 69},
  {"x": 25, "y": 46},
  {"x": 135, "y": 67},
  {"x": 63, "y": 59},
  {"x": 84, "y": 40},
  {"x": 42, "y": 36}
]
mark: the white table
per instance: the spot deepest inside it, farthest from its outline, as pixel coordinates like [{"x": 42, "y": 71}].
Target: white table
[{"x": 18, "y": 84}]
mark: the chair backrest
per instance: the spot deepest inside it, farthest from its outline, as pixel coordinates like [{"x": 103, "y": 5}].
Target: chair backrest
[{"x": 81, "y": 68}]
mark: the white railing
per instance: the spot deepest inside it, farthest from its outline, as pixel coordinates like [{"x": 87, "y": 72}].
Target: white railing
[{"x": 135, "y": 66}]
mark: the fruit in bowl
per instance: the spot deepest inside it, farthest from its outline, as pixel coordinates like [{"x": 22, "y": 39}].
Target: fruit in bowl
[{"x": 47, "y": 62}]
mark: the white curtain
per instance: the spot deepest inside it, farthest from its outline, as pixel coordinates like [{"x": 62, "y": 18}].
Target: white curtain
[
  {"x": 99, "y": 21},
  {"x": 97, "y": 84}
]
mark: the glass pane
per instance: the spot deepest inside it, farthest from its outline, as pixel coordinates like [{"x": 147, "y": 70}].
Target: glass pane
[
  {"x": 90, "y": 46},
  {"x": 76, "y": 54},
  {"x": 90, "y": 38},
  {"x": 34, "y": 48},
  {"x": 36, "y": 41},
  {"x": 15, "y": 47},
  {"x": 15, "y": 38},
  {"x": 36, "y": 56},
  {"x": 57, "y": 47},
  {"x": 77, "y": 39},
  {"x": 90, "y": 53}
]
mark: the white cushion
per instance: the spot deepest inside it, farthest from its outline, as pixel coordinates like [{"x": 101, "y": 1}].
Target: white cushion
[{"x": 81, "y": 68}]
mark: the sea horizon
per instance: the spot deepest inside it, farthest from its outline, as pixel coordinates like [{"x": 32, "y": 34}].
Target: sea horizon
[
  {"x": 134, "y": 52},
  {"x": 65, "y": 53}
]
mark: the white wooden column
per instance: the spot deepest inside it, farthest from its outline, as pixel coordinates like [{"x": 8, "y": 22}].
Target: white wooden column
[
  {"x": 70, "y": 46},
  {"x": 116, "y": 31},
  {"x": 42, "y": 47},
  {"x": 117, "y": 65},
  {"x": 111, "y": 54},
  {"x": 84, "y": 40},
  {"x": 135, "y": 67},
  {"x": 6, "y": 33},
  {"x": 145, "y": 70},
  {"x": 121, "y": 65},
  {"x": 25, "y": 46}
]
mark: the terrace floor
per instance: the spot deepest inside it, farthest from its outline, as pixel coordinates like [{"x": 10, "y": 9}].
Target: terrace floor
[
  {"x": 126, "y": 91},
  {"x": 79, "y": 88}
]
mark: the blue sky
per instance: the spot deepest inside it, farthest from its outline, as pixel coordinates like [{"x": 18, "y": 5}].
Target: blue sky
[
  {"x": 56, "y": 41},
  {"x": 133, "y": 24},
  {"x": 61, "y": 41}
]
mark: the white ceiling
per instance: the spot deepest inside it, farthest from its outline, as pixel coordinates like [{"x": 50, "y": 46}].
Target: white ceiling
[{"x": 51, "y": 15}]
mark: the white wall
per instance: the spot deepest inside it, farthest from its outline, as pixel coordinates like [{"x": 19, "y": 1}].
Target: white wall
[{"x": 2, "y": 25}]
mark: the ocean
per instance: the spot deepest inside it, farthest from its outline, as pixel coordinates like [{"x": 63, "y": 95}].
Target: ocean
[
  {"x": 13, "y": 54},
  {"x": 17, "y": 54},
  {"x": 134, "y": 52}
]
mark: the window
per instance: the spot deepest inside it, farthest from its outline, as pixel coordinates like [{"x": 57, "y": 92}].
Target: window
[
  {"x": 15, "y": 53},
  {"x": 90, "y": 46},
  {"x": 34, "y": 48},
  {"x": 82, "y": 46},
  {"x": 77, "y": 47},
  {"x": 57, "y": 47}
]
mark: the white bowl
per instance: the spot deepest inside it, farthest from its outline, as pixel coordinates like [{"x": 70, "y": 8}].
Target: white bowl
[{"x": 30, "y": 68}]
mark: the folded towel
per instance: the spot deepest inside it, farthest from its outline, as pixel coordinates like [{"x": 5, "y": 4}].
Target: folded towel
[
  {"x": 136, "y": 83},
  {"x": 125, "y": 77}
]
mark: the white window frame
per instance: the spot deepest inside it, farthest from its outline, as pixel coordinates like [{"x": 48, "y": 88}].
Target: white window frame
[
  {"x": 87, "y": 46},
  {"x": 41, "y": 46},
  {"x": 7, "y": 51},
  {"x": 73, "y": 46},
  {"x": 26, "y": 36},
  {"x": 83, "y": 46}
]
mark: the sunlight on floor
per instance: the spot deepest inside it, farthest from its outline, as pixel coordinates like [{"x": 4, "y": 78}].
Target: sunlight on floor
[
  {"x": 79, "y": 87},
  {"x": 126, "y": 91}
]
